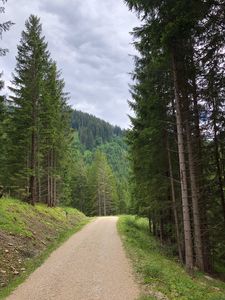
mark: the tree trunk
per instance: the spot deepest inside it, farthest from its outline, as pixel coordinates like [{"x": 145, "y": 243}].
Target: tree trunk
[
  {"x": 161, "y": 230},
  {"x": 52, "y": 183},
  {"x": 32, "y": 179},
  {"x": 218, "y": 166},
  {"x": 174, "y": 206},
  {"x": 200, "y": 179},
  {"x": 48, "y": 179},
  {"x": 99, "y": 203},
  {"x": 183, "y": 171},
  {"x": 104, "y": 201},
  {"x": 195, "y": 193},
  {"x": 149, "y": 222}
]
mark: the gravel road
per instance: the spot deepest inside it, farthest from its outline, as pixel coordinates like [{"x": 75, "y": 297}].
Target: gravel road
[{"x": 91, "y": 265}]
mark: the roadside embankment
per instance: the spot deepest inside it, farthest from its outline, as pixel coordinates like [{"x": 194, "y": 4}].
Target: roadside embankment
[
  {"x": 162, "y": 277},
  {"x": 28, "y": 234}
]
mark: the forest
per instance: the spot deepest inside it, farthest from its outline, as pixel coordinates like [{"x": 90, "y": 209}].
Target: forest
[
  {"x": 49, "y": 152},
  {"x": 93, "y": 131},
  {"x": 167, "y": 170},
  {"x": 177, "y": 142}
]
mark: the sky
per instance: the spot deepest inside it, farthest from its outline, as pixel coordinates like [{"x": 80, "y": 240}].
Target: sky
[{"x": 91, "y": 43}]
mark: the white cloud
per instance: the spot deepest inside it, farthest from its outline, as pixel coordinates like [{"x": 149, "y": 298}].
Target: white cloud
[{"x": 91, "y": 43}]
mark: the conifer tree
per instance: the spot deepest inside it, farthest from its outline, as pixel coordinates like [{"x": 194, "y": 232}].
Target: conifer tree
[
  {"x": 54, "y": 132},
  {"x": 103, "y": 194},
  {"x": 170, "y": 30},
  {"x": 28, "y": 90}
]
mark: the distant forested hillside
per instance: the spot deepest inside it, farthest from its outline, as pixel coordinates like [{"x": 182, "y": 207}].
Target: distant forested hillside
[
  {"x": 102, "y": 168},
  {"x": 93, "y": 131}
]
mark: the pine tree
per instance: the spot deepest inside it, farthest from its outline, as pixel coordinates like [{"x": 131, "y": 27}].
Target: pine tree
[
  {"x": 54, "y": 131},
  {"x": 101, "y": 181},
  {"x": 28, "y": 86},
  {"x": 170, "y": 30}
]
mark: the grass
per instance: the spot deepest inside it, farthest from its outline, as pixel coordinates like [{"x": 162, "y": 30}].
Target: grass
[
  {"x": 159, "y": 273},
  {"x": 10, "y": 216},
  {"x": 16, "y": 218}
]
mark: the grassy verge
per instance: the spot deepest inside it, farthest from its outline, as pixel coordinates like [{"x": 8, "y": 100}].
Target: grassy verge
[
  {"x": 19, "y": 224},
  {"x": 162, "y": 277}
]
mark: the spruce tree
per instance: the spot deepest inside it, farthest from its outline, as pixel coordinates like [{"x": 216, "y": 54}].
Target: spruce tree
[
  {"x": 28, "y": 90},
  {"x": 170, "y": 30},
  {"x": 102, "y": 184}
]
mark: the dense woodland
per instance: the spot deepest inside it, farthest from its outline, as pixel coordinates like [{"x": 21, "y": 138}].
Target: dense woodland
[
  {"x": 177, "y": 143},
  {"x": 50, "y": 153},
  {"x": 93, "y": 131},
  {"x": 175, "y": 176}
]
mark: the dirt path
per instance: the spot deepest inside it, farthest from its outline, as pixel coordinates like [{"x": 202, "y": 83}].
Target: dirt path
[{"x": 91, "y": 265}]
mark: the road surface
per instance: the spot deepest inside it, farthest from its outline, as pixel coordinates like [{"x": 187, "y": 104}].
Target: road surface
[{"x": 91, "y": 265}]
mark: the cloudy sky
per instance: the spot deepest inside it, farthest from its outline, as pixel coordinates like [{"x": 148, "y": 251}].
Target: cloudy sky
[{"x": 91, "y": 43}]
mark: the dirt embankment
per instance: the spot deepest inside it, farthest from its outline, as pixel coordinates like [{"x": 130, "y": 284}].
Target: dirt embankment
[{"x": 26, "y": 232}]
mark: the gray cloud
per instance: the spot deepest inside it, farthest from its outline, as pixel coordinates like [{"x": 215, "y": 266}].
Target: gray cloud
[{"x": 90, "y": 41}]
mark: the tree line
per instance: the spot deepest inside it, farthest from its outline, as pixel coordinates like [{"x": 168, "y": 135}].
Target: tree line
[
  {"x": 36, "y": 124},
  {"x": 93, "y": 131},
  {"x": 100, "y": 178},
  {"x": 45, "y": 151},
  {"x": 177, "y": 141}
]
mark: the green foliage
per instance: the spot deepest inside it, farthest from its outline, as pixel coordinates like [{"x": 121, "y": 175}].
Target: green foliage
[
  {"x": 37, "y": 131},
  {"x": 161, "y": 272},
  {"x": 27, "y": 98},
  {"x": 93, "y": 131},
  {"x": 84, "y": 175},
  {"x": 178, "y": 101},
  {"x": 116, "y": 152},
  {"x": 102, "y": 186},
  {"x": 44, "y": 159}
]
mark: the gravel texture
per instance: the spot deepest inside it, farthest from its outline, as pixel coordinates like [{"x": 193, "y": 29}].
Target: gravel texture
[{"x": 91, "y": 265}]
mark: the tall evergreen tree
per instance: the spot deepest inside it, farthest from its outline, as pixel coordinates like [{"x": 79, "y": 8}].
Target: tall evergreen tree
[
  {"x": 186, "y": 35},
  {"x": 54, "y": 135},
  {"x": 28, "y": 90},
  {"x": 103, "y": 194}
]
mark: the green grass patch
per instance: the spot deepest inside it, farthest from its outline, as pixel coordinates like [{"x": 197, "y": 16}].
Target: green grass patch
[
  {"x": 160, "y": 272},
  {"x": 10, "y": 216}
]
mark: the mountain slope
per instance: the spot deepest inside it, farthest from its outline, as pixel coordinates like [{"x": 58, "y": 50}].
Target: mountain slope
[{"x": 93, "y": 131}]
